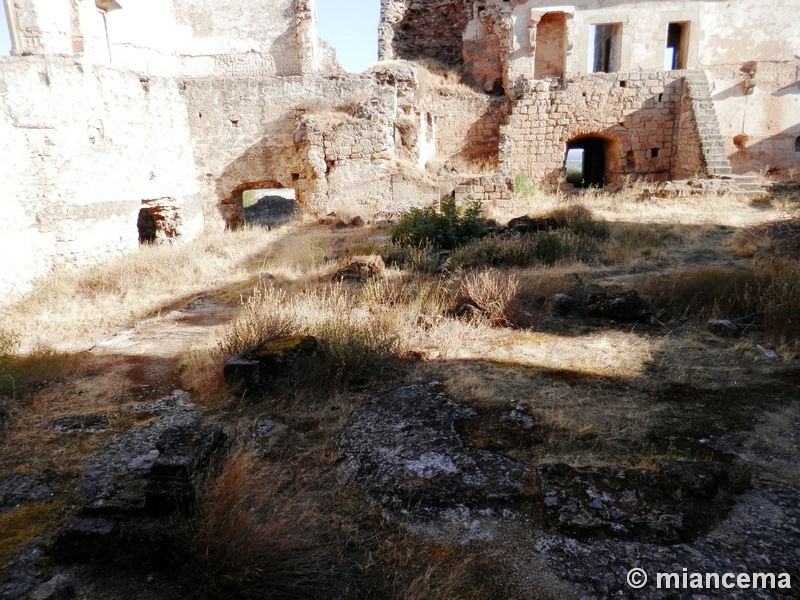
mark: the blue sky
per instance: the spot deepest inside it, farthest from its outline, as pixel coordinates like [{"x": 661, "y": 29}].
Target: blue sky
[
  {"x": 5, "y": 41},
  {"x": 350, "y": 26}
]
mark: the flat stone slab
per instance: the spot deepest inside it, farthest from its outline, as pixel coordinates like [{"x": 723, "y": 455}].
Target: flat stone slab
[
  {"x": 17, "y": 489},
  {"x": 92, "y": 423},
  {"x": 405, "y": 444},
  {"x": 153, "y": 467}
]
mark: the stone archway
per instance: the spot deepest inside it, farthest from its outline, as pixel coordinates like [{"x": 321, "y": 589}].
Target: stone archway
[
  {"x": 587, "y": 161},
  {"x": 232, "y": 207}
]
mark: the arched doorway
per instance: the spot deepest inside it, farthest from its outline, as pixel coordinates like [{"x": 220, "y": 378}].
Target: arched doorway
[
  {"x": 585, "y": 162},
  {"x": 267, "y": 202},
  {"x": 269, "y": 206}
]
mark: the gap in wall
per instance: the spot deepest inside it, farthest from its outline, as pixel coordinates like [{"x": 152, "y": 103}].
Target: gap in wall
[{"x": 269, "y": 207}]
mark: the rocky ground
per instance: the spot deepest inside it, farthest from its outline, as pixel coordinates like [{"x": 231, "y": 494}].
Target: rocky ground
[{"x": 563, "y": 480}]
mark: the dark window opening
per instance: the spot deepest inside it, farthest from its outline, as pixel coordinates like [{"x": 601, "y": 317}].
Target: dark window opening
[
  {"x": 270, "y": 206},
  {"x": 797, "y": 144},
  {"x": 551, "y": 53},
  {"x": 623, "y": 84},
  {"x": 604, "y": 41},
  {"x": 586, "y": 162},
  {"x": 653, "y": 152},
  {"x": 146, "y": 223},
  {"x": 677, "y": 38},
  {"x": 661, "y": 97}
]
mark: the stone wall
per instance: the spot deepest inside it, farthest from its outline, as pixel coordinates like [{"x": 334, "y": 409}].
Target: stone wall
[
  {"x": 468, "y": 127},
  {"x": 688, "y": 159},
  {"x": 418, "y": 29},
  {"x": 748, "y": 49},
  {"x": 634, "y": 113},
  {"x": 758, "y": 106},
  {"x": 331, "y": 138},
  {"x": 82, "y": 152}
]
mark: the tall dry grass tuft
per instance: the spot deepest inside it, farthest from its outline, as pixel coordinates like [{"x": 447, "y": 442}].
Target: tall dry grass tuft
[
  {"x": 493, "y": 293},
  {"x": 358, "y": 347},
  {"x": 256, "y": 537}
]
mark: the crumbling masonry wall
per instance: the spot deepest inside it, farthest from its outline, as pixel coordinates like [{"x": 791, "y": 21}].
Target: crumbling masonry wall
[
  {"x": 328, "y": 137},
  {"x": 634, "y": 112}
]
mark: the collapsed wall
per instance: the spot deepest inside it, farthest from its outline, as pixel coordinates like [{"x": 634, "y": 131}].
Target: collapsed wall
[{"x": 142, "y": 124}]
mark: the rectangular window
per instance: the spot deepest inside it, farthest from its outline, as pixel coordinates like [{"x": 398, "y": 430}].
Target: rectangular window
[
  {"x": 604, "y": 45},
  {"x": 677, "y": 46}
]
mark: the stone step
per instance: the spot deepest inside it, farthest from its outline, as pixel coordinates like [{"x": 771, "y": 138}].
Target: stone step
[
  {"x": 719, "y": 171},
  {"x": 745, "y": 179},
  {"x": 752, "y": 195}
]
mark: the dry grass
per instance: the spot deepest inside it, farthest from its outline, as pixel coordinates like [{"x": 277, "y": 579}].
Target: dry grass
[
  {"x": 256, "y": 536},
  {"x": 492, "y": 293},
  {"x": 598, "y": 391},
  {"x": 73, "y": 308},
  {"x": 21, "y": 526}
]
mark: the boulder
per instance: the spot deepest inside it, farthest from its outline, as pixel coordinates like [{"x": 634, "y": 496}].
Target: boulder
[
  {"x": 405, "y": 445},
  {"x": 356, "y": 221},
  {"x": 361, "y": 268},
  {"x": 562, "y": 304},
  {"x": 255, "y": 367},
  {"x": 526, "y": 225},
  {"x": 722, "y": 327}
]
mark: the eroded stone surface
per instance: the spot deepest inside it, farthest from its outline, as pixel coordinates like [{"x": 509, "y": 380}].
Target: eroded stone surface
[
  {"x": 138, "y": 479},
  {"x": 18, "y": 489},
  {"x": 405, "y": 444},
  {"x": 633, "y": 504},
  {"x": 761, "y": 535}
]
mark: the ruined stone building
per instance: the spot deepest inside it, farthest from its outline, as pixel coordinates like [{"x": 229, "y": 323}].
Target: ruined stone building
[{"x": 148, "y": 119}]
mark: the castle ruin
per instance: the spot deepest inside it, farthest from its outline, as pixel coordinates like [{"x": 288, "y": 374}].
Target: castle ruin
[{"x": 148, "y": 119}]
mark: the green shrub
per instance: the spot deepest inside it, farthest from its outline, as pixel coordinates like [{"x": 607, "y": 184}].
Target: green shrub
[
  {"x": 422, "y": 258},
  {"x": 445, "y": 228},
  {"x": 523, "y": 186}
]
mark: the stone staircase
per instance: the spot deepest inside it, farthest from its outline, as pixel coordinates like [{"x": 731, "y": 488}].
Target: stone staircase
[
  {"x": 742, "y": 186},
  {"x": 713, "y": 148}
]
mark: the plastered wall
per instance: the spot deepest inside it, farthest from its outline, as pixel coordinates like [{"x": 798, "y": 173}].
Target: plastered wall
[{"x": 80, "y": 151}]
